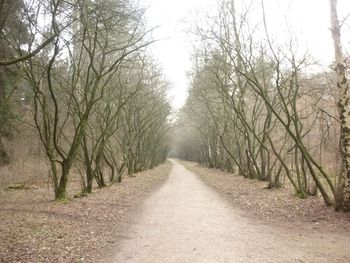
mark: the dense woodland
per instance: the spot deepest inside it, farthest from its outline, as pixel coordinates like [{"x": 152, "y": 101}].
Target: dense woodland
[{"x": 78, "y": 76}]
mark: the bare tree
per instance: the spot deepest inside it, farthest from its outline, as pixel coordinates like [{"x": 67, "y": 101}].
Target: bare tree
[
  {"x": 254, "y": 105},
  {"x": 66, "y": 100},
  {"x": 343, "y": 195}
]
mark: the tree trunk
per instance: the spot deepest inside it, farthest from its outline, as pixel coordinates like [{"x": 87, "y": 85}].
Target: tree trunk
[
  {"x": 88, "y": 168},
  {"x": 89, "y": 180},
  {"x": 342, "y": 197},
  {"x": 61, "y": 193}
]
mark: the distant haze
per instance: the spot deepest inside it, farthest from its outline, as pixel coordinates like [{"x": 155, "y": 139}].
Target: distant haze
[{"x": 307, "y": 19}]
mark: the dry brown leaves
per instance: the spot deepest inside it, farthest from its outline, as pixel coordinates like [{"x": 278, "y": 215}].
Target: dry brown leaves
[
  {"x": 33, "y": 228},
  {"x": 277, "y": 206}
]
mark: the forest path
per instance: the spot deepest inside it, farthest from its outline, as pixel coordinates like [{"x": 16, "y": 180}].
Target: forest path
[{"x": 186, "y": 221}]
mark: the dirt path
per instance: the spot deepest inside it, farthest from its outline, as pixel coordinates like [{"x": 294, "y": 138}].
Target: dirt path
[{"x": 186, "y": 221}]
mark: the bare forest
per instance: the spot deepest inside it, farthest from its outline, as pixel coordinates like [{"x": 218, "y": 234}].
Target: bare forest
[
  {"x": 79, "y": 93},
  {"x": 258, "y": 109},
  {"x": 89, "y": 133}
]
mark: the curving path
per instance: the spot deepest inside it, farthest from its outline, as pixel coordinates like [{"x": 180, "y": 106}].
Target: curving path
[{"x": 186, "y": 221}]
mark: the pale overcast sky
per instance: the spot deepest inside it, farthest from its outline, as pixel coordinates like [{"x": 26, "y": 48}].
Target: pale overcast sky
[{"x": 309, "y": 20}]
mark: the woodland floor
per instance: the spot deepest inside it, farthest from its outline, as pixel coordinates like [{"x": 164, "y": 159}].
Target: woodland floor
[
  {"x": 154, "y": 217},
  {"x": 277, "y": 206},
  {"x": 33, "y": 228},
  {"x": 187, "y": 221}
]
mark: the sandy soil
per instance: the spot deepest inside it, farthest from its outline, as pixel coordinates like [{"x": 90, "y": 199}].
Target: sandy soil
[{"x": 186, "y": 221}]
